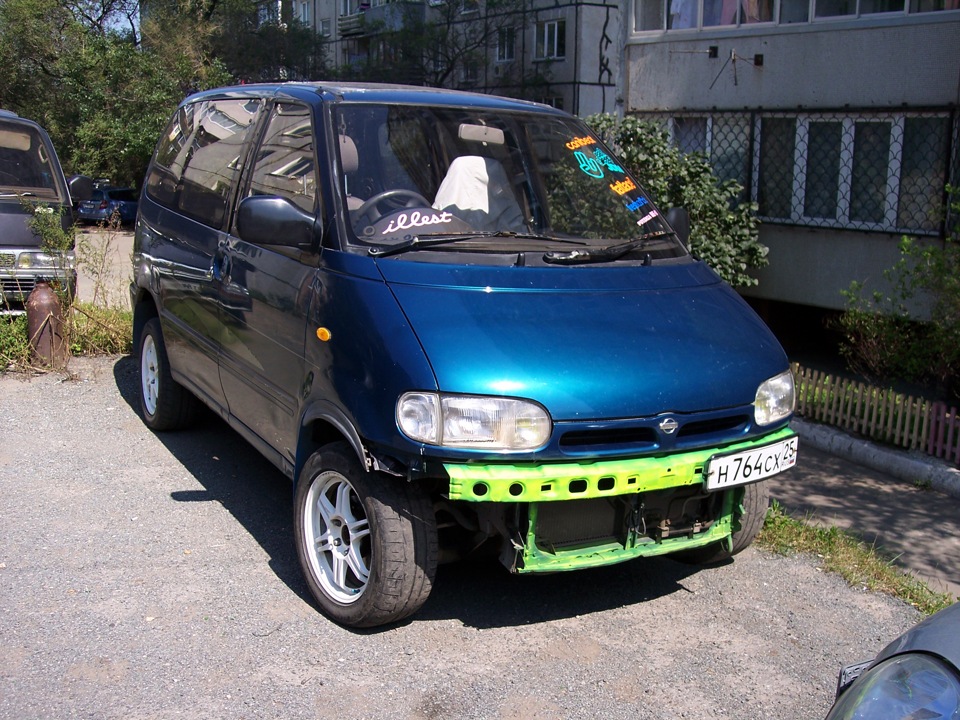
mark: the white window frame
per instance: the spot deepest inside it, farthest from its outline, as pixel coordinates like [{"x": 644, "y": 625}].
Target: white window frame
[
  {"x": 842, "y": 220},
  {"x": 546, "y": 30},
  {"x": 509, "y": 33}
]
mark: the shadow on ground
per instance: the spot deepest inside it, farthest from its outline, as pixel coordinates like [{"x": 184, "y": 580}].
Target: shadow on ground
[
  {"x": 478, "y": 593},
  {"x": 919, "y": 528}
]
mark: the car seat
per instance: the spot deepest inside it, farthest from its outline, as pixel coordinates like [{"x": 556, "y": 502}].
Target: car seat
[{"x": 477, "y": 191}]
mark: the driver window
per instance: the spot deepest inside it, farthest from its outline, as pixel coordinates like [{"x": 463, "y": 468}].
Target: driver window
[{"x": 285, "y": 164}]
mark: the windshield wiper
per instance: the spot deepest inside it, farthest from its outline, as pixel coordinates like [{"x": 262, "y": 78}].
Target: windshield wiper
[
  {"x": 605, "y": 254},
  {"x": 425, "y": 242}
]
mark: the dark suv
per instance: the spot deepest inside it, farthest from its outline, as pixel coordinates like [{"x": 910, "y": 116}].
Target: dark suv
[
  {"x": 31, "y": 180},
  {"x": 459, "y": 325}
]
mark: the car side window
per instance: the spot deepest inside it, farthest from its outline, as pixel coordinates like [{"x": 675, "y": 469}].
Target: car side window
[
  {"x": 199, "y": 158},
  {"x": 285, "y": 163}
]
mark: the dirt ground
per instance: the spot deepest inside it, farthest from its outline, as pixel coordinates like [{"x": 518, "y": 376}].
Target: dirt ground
[{"x": 155, "y": 576}]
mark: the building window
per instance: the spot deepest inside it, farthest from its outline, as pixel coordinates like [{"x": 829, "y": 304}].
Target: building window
[
  {"x": 469, "y": 6},
  {"x": 650, "y": 15},
  {"x": 862, "y": 172},
  {"x": 506, "y": 44},
  {"x": 723, "y": 139},
  {"x": 304, "y": 15},
  {"x": 325, "y": 27},
  {"x": 551, "y": 40}
]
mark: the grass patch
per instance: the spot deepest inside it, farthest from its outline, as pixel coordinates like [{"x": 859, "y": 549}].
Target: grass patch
[
  {"x": 859, "y": 563},
  {"x": 97, "y": 330},
  {"x": 14, "y": 345},
  {"x": 90, "y": 330}
]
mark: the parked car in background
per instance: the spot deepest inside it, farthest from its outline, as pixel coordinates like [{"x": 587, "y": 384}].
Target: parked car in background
[
  {"x": 32, "y": 181},
  {"x": 109, "y": 205},
  {"x": 915, "y": 676}
]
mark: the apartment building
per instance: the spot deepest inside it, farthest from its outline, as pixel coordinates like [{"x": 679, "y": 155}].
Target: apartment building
[
  {"x": 839, "y": 117},
  {"x": 565, "y": 53}
]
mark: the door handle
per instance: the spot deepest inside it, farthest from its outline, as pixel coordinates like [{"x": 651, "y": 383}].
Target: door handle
[{"x": 220, "y": 268}]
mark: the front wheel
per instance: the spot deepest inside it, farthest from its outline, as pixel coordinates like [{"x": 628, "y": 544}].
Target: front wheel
[
  {"x": 756, "y": 500},
  {"x": 165, "y": 404},
  {"x": 367, "y": 543}
]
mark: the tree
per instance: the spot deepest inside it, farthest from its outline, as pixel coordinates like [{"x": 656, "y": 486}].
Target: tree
[
  {"x": 443, "y": 44},
  {"x": 723, "y": 228}
]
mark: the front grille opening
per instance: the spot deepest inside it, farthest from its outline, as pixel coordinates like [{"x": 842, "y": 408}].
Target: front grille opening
[
  {"x": 586, "y": 439},
  {"x": 579, "y": 523},
  {"x": 655, "y": 516},
  {"x": 710, "y": 427}
]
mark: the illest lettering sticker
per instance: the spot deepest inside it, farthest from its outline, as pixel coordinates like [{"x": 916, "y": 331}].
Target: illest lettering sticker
[
  {"x": 621, "y": 187},
  {"x": 416, "y": 219}
]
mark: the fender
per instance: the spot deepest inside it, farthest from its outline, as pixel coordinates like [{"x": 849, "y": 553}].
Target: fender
[{"x": 329, "y": 413}]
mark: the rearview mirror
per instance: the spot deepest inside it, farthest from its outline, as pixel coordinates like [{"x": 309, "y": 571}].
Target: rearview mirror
[{"x": 679, "y": 220}]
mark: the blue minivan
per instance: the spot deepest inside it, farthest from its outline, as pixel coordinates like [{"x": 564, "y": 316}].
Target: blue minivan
[{"x": 460, "y": 326}]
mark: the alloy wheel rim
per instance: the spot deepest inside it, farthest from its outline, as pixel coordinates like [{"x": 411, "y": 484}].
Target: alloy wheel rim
[
  {"x": 149, "y": 375},
  {"x": 337, "y": 535}
]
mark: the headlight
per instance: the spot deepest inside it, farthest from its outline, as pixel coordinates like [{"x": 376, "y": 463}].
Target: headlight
[
  {"x": 906, "y": 686},
  {"x": 42, "y": 260},
  {"x": 775, "y": 399},
  {"x": 468, "y": 421}
]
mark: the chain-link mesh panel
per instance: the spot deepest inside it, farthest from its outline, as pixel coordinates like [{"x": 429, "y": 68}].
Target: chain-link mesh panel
[{"x": 872, "y": 171}]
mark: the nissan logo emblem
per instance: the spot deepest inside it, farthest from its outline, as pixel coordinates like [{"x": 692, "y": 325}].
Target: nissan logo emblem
[{"x": 669, "y": 426}]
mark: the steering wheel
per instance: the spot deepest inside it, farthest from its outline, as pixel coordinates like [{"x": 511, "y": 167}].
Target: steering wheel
[{"x": 399, "y": 197}]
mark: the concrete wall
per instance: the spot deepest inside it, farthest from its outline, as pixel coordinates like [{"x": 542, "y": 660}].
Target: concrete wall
[
  {"x": 810, "y": 266},
  {"x": 914, "y": 61}
]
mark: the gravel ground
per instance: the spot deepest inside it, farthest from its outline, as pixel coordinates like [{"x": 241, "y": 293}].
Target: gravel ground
[{"x": 154, "y": 576}]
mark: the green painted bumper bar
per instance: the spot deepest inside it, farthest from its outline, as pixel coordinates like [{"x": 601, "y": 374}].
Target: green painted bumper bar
[
  {"x": 533, "y": 559},
  {"x": 583, "y": 481}
]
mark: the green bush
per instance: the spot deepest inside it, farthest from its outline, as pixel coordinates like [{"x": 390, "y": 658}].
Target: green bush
[
  {"x": 882, "y": 341},
  {"x": 723, "y": 229}
]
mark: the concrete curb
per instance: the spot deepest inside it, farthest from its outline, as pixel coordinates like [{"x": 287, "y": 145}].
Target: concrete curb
[{"x": 912, "y": 467}]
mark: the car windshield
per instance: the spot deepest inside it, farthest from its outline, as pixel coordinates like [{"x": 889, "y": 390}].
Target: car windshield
[
  {"x": 415, "y": 176},
  {"x": 25, "y": 163}
]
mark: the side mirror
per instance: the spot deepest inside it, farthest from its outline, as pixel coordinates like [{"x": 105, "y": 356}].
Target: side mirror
[
  {"x": 273, "y": 220},
  {"x": 679, "y": 220},
  {"x": 81, "y": 188}
]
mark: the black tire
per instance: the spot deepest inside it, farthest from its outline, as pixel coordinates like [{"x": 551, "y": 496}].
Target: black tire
[
  {"x": 756, "y": 500},
  {"x": 164, "y": 403},
  {"x": 367, "y": 543}
]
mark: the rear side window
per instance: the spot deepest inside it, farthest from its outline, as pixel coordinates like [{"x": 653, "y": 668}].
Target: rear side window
[{"x": 199, "y": 156}]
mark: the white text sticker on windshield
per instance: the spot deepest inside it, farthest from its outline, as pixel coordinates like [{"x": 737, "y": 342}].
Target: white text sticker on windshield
[{"x": 647, "y": 218}]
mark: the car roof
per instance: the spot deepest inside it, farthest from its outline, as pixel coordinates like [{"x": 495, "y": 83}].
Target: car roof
[{"x": 378, "y": 93}]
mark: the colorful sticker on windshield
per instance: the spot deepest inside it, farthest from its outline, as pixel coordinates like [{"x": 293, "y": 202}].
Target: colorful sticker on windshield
[
  {"x": 605, "y": 159},
  {"x": 621, "y": 187},
  {"x": 637, "y": 204},
  {"x": 590, "y": 166},
  {"x": 579, "y": 142},
  {"x": 415, "y": 220},
  {"x": 647, "y": 218}
]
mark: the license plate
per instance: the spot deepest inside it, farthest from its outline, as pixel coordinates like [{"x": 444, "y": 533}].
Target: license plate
[{"x": 725, "y": 471}]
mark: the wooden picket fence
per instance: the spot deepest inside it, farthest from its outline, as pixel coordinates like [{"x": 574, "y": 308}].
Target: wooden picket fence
[{"x": 883, "y": 415}]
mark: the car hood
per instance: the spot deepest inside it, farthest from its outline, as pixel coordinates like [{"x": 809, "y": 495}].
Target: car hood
[{"x": 588, "y": 342}]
